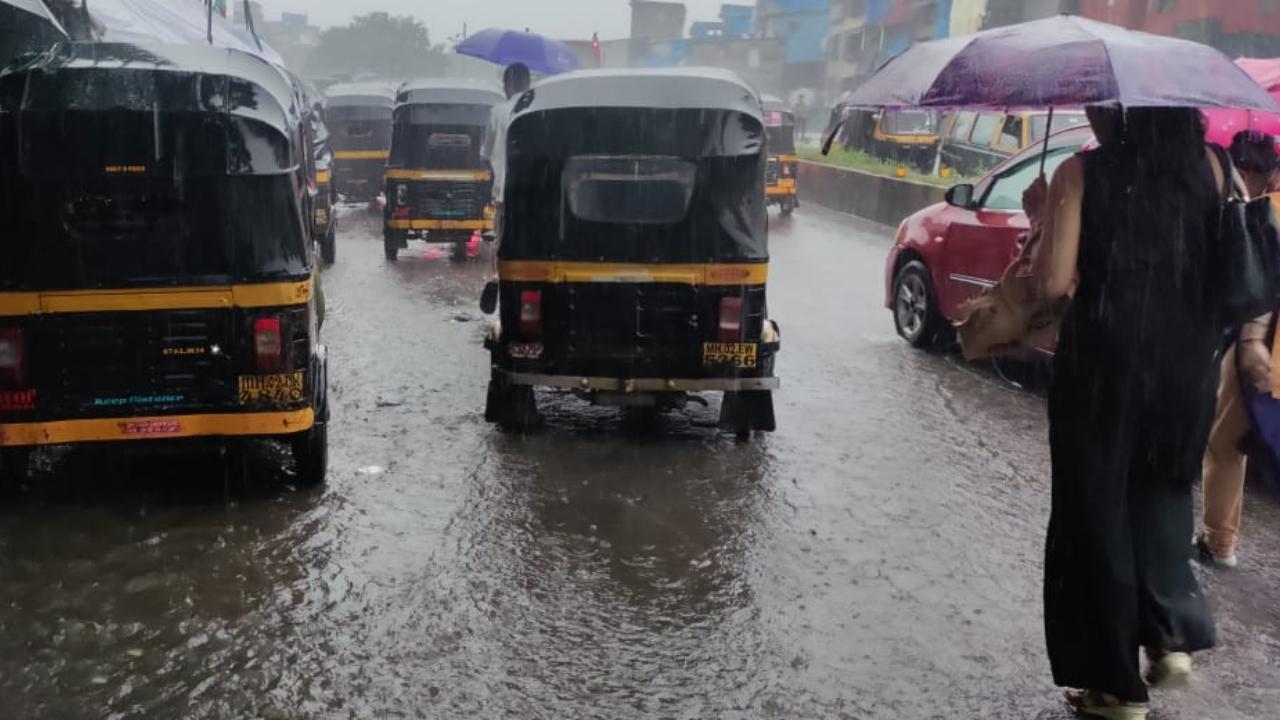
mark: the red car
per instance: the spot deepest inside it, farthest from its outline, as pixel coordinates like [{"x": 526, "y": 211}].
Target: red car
[{"x": 949, "y": 252}]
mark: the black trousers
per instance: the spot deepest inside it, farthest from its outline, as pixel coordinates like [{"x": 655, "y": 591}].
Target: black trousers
[{"x": 1118, "y": 570}]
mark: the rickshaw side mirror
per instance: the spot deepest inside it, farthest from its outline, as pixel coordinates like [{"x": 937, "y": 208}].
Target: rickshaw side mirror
[
  {"x": 489, "y": 298},
  {"x": 960, "y": 196}
]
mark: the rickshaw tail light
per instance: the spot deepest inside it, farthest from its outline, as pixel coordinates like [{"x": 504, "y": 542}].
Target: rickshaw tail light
[
  {"x": 268, "y": 345},
  {"x": 13, "y": 361},
  {"x": 730, "y": 319},
  {"x": 530, "y": 314}
]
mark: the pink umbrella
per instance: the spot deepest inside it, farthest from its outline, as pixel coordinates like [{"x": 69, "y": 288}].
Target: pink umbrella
[{"x": 1224, "y": 124}]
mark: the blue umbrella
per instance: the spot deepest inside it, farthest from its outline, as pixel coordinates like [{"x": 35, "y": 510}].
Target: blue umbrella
[{"x": 541, "y": 54}]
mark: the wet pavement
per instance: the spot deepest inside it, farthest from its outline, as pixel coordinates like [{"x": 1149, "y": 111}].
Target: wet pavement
[{"x": 877, "y": 557}]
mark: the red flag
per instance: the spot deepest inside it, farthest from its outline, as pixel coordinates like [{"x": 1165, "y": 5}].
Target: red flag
[{"x": 595, "y": 48}]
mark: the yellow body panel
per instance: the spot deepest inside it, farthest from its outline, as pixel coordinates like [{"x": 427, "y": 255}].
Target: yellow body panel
[
  {"x": 592, "y": 272},
  {"x": 156, "y": 427},
  {"x": 361, "y": 154},
  {"x": 449, "y": 175},
  {"x": 440, "y": 224},
  {"x": 188, "y": 298}
]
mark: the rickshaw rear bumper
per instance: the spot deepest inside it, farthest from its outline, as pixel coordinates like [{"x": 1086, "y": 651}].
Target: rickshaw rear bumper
[
  {"x": 638, "y": 385},
  {"x": 158, "y": 427}
]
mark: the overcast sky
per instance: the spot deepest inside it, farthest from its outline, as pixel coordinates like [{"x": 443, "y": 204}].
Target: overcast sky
[{"x": 567, "y": 19}]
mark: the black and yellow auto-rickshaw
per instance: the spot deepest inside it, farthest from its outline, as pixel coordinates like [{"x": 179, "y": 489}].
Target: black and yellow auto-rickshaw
[
  {"x": 438, "y": 185},
  {"x": 324, "y": 226},
  {"x": 359, "y": 119},
  {"x": 156, "y": 275},
  {"x": 908, "y": 137},
  {"x": 633, "y": 247},
  {"x": 780, "y": 175}
]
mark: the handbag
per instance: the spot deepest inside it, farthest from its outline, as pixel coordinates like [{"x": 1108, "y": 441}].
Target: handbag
[
  {"x": 1008, "y": 319},
  {"x": 1248, "y": 261}
]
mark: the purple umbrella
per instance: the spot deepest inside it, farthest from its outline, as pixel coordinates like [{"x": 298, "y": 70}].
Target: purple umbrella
[
  {"x": 1061, "y": 61},
  {"x": 541, "y": 54}
]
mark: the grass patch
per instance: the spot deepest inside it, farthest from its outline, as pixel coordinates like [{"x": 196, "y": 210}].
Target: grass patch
[{"x": 858, "y": 160}]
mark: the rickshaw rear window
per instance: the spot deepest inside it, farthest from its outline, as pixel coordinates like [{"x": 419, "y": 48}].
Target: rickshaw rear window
[
  {"x": 444, "y": 115},
  {"x": 135, "y": 230},
  {"x": 629, "y": 189},
  {"x": 909, "y": 122},
  {"x": 361, "y": 128}
]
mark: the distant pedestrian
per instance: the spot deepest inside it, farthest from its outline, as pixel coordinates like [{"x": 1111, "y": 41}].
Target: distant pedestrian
[
  {"x": 1249, "y": 361},
  {"x": 1130, "y": 408},
  {"x": 801, "y": 110},
  {"x": 516, "y": 80}
]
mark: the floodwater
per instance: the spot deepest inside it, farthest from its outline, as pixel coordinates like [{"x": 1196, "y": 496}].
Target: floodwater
[{"x": 877, "y": 557}]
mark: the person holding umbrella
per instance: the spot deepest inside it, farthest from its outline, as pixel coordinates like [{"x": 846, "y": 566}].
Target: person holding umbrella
[{"x": 1129, "y": 230}]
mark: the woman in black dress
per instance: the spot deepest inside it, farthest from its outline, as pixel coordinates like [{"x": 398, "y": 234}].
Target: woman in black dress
[{"x": 1128, "y": 233}]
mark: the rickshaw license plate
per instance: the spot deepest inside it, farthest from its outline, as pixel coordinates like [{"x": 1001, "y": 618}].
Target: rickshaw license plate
[
  {"x": 525, "y": 351},
  {"x": 271, "y": 389},
  {"x": 741, "y": 355},
  {"x": 322, "y": 217}
]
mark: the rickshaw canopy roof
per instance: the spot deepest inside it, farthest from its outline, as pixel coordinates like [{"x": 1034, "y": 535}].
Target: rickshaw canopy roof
[
  {"x": 376, "y": 95},
  {"x": 448, "y": 92},
  {"x": 677, "y": 89},
  {"x": 261, "y": 92}
]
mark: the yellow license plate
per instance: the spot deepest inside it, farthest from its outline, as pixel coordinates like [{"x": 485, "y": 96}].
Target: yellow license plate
[
  {"x": 322, "y": 217},
  {"x": 741, "y": 355},
  {"x": 280, "y": 389}
]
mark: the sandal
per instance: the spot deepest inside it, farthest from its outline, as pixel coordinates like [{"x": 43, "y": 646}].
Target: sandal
[
  {"x": 1169, "y": 670},
  {"x": 1101, "y": 705}
]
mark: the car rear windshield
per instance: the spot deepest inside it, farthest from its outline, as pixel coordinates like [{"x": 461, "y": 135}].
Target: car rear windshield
[{"x": 1061, "y": 121}]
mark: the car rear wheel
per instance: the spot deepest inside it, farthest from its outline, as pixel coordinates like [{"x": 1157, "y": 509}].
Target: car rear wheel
[{"x": 915, "y": 307}]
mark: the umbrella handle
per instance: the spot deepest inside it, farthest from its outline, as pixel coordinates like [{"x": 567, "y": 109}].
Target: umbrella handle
[{"x": 1048, "y": 130}]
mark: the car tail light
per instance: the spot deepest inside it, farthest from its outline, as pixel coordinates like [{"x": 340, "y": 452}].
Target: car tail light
[
  {"x": 530, "y": 314},
  {"x": 13, "y": 360},
  {"x": 268, "y": 345},
  {"x": 730, "y": 325}
]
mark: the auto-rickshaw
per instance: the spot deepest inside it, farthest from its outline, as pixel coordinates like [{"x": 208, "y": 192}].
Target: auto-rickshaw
[
  {"x": 908, "y": 137},
  {"x": 780, "y": 175},
  {"x": 359, "y": 119},
  {"x": 633, "y": 247},
  {"x": 438, "y": 185},
  {"x": 324, "y": 226},
  {"x": 157, "y": 281}
]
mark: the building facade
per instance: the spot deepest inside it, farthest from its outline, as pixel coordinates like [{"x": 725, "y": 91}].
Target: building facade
[{"x": 802, "y": 27}]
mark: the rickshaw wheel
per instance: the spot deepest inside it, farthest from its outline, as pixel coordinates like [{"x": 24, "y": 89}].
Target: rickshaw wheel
[
  {"x": 742, "y": 412},
  {"x": 311, "y": 455},
  {"x": 512, "y": 407},
  {"x": 788, "y": 207},
  {"x": 329, "y": 246},
  {"x": 391, "y": 246},
  {"x": 15, "y": 466}
]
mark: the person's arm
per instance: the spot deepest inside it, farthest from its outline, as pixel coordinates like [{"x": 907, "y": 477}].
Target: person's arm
[
  {"x": 1253, "y": 356},
  {"x": 1055, "y": 263}
]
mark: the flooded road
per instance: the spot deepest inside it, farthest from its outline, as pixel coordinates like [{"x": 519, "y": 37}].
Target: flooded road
[{"x": 877, "y": 557}]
